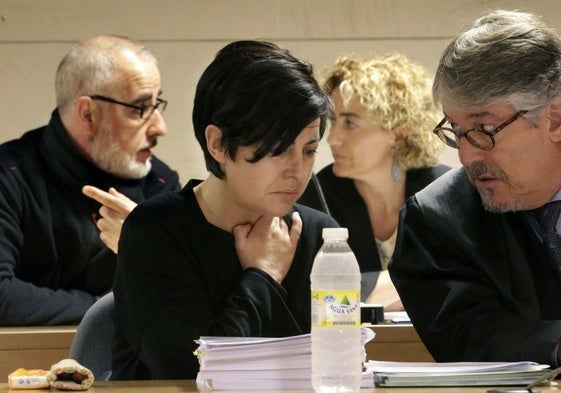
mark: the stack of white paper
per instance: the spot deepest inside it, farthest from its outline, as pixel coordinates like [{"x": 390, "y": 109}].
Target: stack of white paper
[
  {"x": 249, "y": 363},
  {"x": 455, "y": 373}
]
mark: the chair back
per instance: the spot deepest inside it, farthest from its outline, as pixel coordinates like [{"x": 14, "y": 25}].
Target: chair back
[{"x": 91, "y": 346}]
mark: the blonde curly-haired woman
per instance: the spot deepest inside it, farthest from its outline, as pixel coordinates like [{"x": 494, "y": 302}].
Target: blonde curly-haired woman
[{"x": 384, "y": 151}]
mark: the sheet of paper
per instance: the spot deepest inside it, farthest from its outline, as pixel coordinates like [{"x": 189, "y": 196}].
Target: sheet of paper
[
  {"x": 455, "y": 373},
  {"x": 451, "y": 367},
  {"x": 249, "y": 363}
]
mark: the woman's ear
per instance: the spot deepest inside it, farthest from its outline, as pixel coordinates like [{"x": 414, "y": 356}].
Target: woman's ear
[
  {"x": 398, "y": 139},
  {"x": 213, "y": 136}
]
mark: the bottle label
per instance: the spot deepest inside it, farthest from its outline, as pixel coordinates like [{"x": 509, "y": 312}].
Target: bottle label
[{"x": 336, "y": 308}]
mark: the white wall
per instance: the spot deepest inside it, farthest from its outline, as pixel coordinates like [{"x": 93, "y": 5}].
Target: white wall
[{"x": 185, "y": 35}]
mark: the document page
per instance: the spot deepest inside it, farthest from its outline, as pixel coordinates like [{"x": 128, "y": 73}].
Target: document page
[{"x": 455, "y": 373}]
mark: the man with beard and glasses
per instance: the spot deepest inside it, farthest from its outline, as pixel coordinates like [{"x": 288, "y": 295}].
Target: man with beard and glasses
[
  {"x": 477, "y": 264},
  {"x": 66, "y": 188}
]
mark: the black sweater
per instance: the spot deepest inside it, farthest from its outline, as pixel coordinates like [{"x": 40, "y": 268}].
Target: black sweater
[
  {"x": 178, "y": 278},
  {"x": 52, "y": 261}
]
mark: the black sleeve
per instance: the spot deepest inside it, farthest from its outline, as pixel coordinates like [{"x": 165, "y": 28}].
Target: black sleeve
[
  {"x": 22, "y": 302},
  {"x": 457, "y": 288}
]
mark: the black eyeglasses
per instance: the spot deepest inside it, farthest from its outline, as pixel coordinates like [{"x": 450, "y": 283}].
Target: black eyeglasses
[
  {"x": 145, "y": 110},
  {"x": 478, "y": 137}
]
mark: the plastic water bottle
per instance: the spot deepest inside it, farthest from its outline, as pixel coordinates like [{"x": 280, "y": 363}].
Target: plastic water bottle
[{"x": 336, "y": 337}]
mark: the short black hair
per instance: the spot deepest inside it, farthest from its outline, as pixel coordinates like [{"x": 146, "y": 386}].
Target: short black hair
[{"x": 256, "y": 93}]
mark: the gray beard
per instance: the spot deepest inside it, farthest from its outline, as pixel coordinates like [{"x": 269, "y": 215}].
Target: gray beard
[
  {"x": 478, "y": 169},
  {"x": 107, "y": 155},
  {"x": 490, "y": 205}
]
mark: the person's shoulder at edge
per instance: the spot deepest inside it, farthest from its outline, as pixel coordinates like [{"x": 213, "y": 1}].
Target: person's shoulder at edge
[
  {"x": 164, "y": 206},
  {"x": 430, "y": 172},
  {"x": 18, "y": 148},
  {"x": 329, "y": 182},
  {"x": 326, "y": 171},
  {"x": 451, "y": 193},
  {"x": 452, "y": 177},
  {"x": 439, "y": 169},
  {"x": 419, "y": 178}
]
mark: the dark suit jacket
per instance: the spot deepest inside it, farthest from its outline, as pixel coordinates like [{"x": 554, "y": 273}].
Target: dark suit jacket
[
  {"x": 347, "y": 207},
  {"x": 477, "y": 285}
]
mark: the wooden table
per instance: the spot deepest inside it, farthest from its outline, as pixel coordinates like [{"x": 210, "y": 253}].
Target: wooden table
[
  {"x": 33, "y": 347},
  {"x": 40, "y": 347},
  {"x": 397, "y": 342},
  {"x": 190, "y": 387}
]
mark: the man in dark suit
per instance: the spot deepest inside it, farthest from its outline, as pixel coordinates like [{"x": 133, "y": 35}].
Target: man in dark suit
[{"x": 477, "y": 265}]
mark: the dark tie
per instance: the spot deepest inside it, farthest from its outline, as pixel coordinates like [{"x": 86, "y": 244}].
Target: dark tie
[{"x": 547, "y": 217}]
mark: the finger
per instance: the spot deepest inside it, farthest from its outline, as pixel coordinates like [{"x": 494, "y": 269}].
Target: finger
[
  {"x": 115, "y": 200},
  {"x": 241, "y": 231},
  {"x": 107, "y": 237},
  {"x": 296, "y": 228},
  {"x": 126, "y": 204},
  {"x": 109, "y": 213},
  {"x": 105, "y": 225},
  {"x": 109, "y": 241},
  {"x": 276, "y": 222},
  {"x": 99, "y": 195},
  {"x": 116, "y": 193},
  {"x": 282, "y": 225}
]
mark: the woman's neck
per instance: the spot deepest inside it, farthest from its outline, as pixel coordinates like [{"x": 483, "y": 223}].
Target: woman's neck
[
  {"x": 383, "y": 197},
  {"x": 218, "y": 208}
]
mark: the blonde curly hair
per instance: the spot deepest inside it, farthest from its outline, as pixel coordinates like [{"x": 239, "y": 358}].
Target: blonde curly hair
[{"x": 397, "y": 95}]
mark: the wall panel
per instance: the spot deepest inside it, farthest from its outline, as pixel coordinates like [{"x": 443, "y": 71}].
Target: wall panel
[{"x": 185, "y": 34}]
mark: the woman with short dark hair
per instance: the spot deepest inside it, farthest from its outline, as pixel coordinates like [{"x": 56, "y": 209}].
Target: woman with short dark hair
[{"x": 231, "y": 255}]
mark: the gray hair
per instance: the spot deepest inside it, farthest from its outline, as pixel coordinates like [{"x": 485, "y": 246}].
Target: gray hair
[
  {"x": 90, "y": 67},
  {"x": 506, "y": 56}
]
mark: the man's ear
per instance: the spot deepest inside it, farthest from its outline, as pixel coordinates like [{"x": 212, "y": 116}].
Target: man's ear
[
  {"x": 555, "y": 121},
  {"x": 213, "y": 136},
  {"x": 88, "y": 113}
]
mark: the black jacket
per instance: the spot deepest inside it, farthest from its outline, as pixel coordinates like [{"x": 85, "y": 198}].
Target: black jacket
[
  {"x": 347, "y": 207},
  {"x": 52, "y": 261},
  {"x": 477, "y": 285}
]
